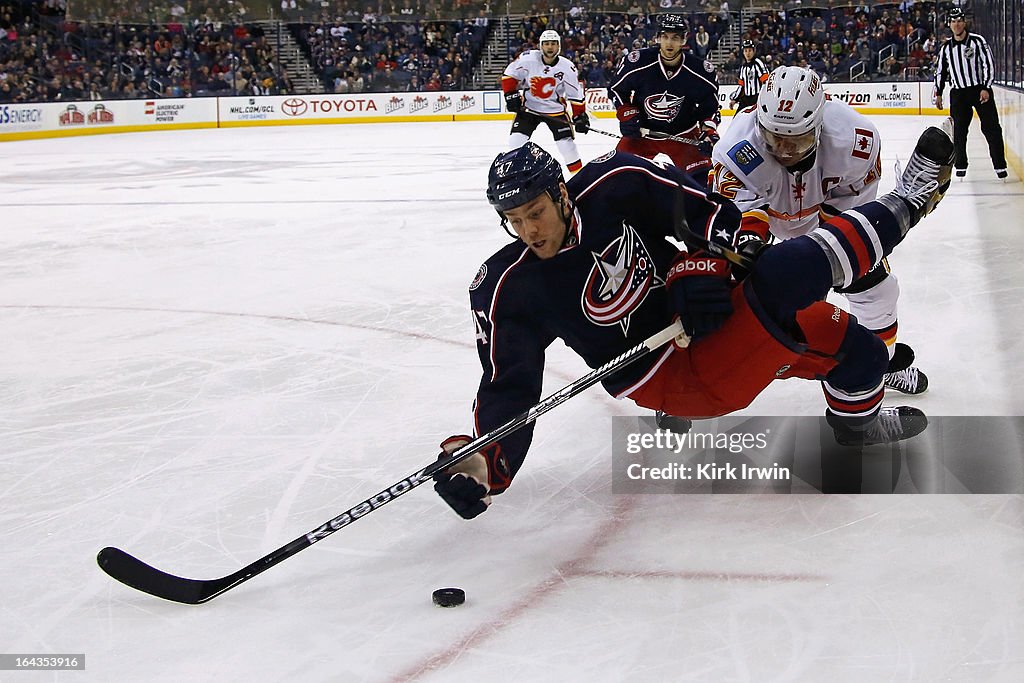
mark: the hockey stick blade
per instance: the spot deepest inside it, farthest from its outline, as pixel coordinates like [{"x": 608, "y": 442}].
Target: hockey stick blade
[
  {"x": 135, "y": 573},
  {"x": 141, "y": 576}
]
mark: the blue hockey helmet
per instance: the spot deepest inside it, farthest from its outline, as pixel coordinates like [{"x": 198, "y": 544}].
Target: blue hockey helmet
[
  {"x": 521, "y": 175},
  {"x": 674, "y": 23}
]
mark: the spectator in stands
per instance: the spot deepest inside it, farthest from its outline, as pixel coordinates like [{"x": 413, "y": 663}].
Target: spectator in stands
[{"x": 701, "y": 42}]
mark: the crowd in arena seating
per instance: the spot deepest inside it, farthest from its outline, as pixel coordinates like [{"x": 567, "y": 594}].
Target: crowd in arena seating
[
  {"x": 883, "y": 39},
  {"x": 406, "y": 45},
  {"x": 393, "y": 57}
]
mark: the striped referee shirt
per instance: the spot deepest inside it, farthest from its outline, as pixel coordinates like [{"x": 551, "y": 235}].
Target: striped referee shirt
[
  {"x": 964, "y": 63},
  {"x": 752, "y": 75}
]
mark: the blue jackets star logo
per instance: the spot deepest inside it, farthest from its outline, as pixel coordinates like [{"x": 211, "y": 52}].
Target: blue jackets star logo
[{"x": 619, "y": 281}]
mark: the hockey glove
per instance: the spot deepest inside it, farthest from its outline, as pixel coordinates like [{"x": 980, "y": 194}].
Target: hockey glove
[
  {"x": 701, "y": 292},
  {"x": 749, "y": 245},
  {"x": 581, "y": 122},
  {"x": 707, "y": 140},
  {"x": 466, "y": 486},
  {"x": 629, "y": 121},
  {"x": 513, "y": 101}
]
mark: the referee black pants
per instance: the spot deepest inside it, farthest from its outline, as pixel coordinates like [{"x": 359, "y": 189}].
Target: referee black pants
[{"x": 962, "y": 103}]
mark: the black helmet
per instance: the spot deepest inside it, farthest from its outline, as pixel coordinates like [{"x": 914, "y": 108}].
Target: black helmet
[
  {"x": 521, "y": 175},
  {"x": 676, "y": 23},
  {"x": 747, "y": 43},
  {"x": 955, "y": 13}
]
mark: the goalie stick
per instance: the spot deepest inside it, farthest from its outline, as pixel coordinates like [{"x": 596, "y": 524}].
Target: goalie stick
[{"x": 141, "y": 576}]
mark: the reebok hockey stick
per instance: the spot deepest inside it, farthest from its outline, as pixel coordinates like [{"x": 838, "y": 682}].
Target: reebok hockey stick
[
  {"x": 645, "y": 132},
  {"x": 692, "y": 239},
  {"x": 141, "y": 576}
]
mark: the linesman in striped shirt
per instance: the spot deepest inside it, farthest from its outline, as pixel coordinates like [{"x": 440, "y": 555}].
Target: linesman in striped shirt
[
  {"x": 965, "y": 63},
  {"x": 753, "y": 74}
]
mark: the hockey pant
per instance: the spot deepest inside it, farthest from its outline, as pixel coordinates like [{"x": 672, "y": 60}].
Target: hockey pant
[
  {"x": 962, "y": 103},
  {"x": 561, "y": 129},
  {"x": 685, "y": 156},
  {"x": 873, "y": 299}
]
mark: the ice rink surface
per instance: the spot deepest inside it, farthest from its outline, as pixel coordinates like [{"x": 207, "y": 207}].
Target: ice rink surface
[{"x": 214, "y": 341}]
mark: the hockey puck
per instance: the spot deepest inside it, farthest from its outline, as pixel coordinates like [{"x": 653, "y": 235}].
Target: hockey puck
[{"x": 449, "y": 597}]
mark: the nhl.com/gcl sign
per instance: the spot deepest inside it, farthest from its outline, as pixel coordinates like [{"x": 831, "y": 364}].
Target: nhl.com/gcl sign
[{"x": 298, "y": 106}]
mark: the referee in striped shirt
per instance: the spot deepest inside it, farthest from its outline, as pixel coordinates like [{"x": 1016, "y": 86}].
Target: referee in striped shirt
[
  {"x": 965, "y": 62},
  {"x": 752, "y": 74}
]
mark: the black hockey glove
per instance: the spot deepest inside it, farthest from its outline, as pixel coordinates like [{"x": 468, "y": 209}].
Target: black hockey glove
[
  {"x": 514, "y": 101},
  {"x": 467, "y": 486},
  {"x": 750, "y": 245},
  {"x": 701, "y": 292},
  {"x": 582, "y": 123},
  {"x": 707, "y": 141}
]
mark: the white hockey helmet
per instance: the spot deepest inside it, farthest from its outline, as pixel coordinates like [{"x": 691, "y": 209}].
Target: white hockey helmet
[
  {"x": 790, "y": 111},
  {"x": 547, "y": 35},
  {"x": 792, "y": 101}
]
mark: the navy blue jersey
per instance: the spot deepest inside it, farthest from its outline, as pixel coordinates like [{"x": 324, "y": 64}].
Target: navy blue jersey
[
  {"x": 669, "y": 104},
  {"x": 601, "y": 294}
]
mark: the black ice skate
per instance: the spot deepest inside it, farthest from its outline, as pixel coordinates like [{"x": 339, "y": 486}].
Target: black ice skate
[
  {"x": 679, "y": 425},
  {"x": 901, "y": 376},
  {"x": 891, "y": 425},
  {"x": 908, "y": 381},
  {"x": 923, "y": 183}
]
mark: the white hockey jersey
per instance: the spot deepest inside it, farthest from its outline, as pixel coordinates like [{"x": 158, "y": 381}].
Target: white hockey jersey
[
  {"x": 547, "y": 87},
  {"x": 845, "y": 173}
]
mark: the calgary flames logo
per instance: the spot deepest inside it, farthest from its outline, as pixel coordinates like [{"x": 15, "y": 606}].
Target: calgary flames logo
[{"x": 622, "y": 276}]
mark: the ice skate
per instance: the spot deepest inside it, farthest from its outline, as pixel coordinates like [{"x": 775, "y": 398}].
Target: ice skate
[
  {"x": 908, "y": 381},
  {"x": 923, "y": 183},
  {"x": 892, "y": 424}
]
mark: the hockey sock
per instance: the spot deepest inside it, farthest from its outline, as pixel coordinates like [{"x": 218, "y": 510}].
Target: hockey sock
[
  {"x": 567, "y": 148},
  {"x": 859, "y": 238},
  {"x": 517, "y": 140}
]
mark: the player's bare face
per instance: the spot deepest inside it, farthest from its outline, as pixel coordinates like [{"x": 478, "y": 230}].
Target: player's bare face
[
  {"x": 670, "y": 47},
  {"x": 748, "y": 53},
  {"x": 550, "y": 49},
  {"x": 541, "y": 224},
  {"x": 959, "y": 28}
]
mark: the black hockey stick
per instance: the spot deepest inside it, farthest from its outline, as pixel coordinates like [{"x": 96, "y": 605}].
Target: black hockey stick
[
  {"x": 141, "y": 576},
  {"x": 695, "y": 241}
]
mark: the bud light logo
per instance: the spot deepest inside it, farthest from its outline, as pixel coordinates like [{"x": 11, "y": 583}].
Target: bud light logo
[
  {"x": 71, "y": 117},
  {"x": 100, "y": 114}
]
